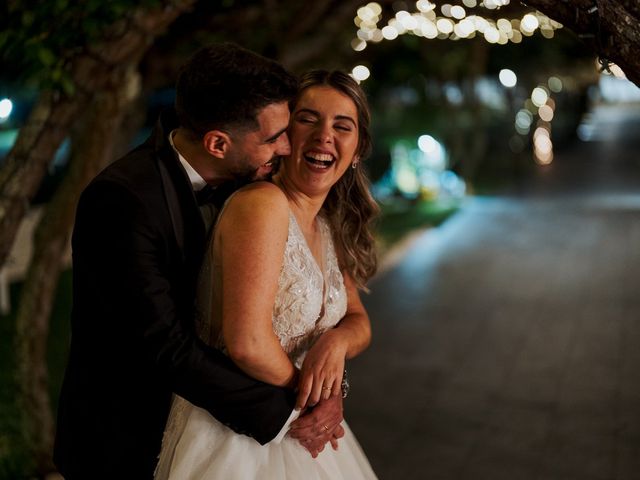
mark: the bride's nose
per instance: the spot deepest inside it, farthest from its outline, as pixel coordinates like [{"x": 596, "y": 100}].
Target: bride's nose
[{"x": 324, "y": 133}]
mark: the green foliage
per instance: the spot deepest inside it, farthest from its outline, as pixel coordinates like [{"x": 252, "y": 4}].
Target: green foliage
[{"x": 39, "y": 39}]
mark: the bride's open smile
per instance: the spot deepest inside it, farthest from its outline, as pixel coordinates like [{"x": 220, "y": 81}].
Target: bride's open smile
[{"x": 319, "y": 159}]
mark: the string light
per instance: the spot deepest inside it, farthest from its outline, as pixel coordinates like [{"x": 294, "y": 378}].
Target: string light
[
  {"x": 389, "y": 33},
  {"x": 458, "y": 12},
  {"x": 508, "y": 78},
  {"x": 545, "y": 112},
  {"x": 539, "y": 96},
  {"x": 455, "y": 23},
  {"x": 542, "y": 145},
  {"x": 360, "y": 73}
]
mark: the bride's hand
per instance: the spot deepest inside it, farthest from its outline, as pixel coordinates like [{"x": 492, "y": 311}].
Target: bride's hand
[{"x": 322, "y": 370}]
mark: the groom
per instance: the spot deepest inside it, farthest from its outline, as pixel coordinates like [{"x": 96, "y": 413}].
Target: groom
[{"x": 138, "y": 244}]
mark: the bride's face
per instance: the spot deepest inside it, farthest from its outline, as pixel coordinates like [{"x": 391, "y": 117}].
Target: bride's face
[{"x": 324, "y": 139}]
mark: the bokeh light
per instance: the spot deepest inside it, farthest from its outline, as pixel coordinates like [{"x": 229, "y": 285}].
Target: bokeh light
[
  {"x": 529, "y": 23},
  {"x": 546, "y": 113},
  {"x": 389, "y": 33},
  {"x": 360, "y": 73},
  {"x": 539, "y": 96},
  {"x": 427, "y": 143},
  {"x": 555, "y": 84},
  {"x": 458, "y": 12},
  {"x": 6, "y": 106},
  {"x": 508, "y": 78}
]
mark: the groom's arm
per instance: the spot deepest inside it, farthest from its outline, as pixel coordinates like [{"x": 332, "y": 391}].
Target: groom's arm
[{"x": 120, "y": 238}]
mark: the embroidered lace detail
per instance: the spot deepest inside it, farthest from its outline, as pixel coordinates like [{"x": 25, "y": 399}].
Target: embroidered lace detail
[{"x": 308, "y": 302}]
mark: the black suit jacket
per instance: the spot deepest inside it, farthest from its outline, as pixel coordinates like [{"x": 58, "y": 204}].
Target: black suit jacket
[{"x": 138, "y": 244}]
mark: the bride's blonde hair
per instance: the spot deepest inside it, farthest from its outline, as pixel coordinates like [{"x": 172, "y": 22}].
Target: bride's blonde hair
[{"x": 349, "y": 207}]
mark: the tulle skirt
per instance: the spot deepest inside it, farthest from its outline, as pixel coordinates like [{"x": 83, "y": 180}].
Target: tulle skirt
[{"x": 198, "y": 447}]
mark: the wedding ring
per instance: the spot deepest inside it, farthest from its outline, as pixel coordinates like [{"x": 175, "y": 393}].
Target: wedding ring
[
  {"x": 325, "y": 427},
  {"x": 326, "y": 388}
]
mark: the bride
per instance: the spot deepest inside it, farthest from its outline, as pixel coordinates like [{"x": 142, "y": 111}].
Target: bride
[{"x": 285, "y": 264}]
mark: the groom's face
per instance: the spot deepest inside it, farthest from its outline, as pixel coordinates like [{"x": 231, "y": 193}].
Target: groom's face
[{"x": 254, "y": 155}]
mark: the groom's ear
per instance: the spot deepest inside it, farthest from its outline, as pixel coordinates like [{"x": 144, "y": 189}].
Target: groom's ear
[{"x": 216, "y": 143}]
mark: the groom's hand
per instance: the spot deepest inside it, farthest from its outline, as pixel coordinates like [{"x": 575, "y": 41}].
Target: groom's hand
[{"x": 319, "y": 425}]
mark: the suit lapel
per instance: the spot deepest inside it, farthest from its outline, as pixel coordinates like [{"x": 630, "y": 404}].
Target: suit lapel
[{"x": 188, "y": 226}]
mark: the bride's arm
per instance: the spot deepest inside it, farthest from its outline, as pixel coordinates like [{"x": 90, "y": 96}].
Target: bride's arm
[
  {"x": 252, "y": 233},
  {"x": 324, "y": 364}
]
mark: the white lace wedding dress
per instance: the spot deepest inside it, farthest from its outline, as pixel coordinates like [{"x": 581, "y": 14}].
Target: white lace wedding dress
[{"x": 309, "y": 301}]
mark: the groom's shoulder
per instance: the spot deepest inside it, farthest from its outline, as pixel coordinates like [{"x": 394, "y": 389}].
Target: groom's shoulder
[
  {"x": 136, "y": 171},
  {"x": 134, "y": 167},
  {"x": 129, "y": 183}
]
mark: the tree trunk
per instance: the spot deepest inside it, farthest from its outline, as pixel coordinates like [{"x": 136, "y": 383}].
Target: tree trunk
[
  {"x": 92, "y": 150},
  {"x": 474, "y": 146},
  {"x": 610, "y": 27},
  {"x": 95, "y": 69}
]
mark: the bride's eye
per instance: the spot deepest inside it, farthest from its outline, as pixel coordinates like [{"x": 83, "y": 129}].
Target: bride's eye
[{"x": 305, "y": 120}]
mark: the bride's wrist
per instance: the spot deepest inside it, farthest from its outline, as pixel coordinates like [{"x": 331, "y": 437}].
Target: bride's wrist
[{"x": 338, "y": 342}]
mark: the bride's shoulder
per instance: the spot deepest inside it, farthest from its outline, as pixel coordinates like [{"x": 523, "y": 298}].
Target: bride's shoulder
[
  {"x": 261, "y": 188},
  {"x": 257, "y": 199}
]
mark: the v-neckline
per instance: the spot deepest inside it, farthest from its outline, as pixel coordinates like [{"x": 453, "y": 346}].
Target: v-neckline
[{"x": 319, "y": 269}]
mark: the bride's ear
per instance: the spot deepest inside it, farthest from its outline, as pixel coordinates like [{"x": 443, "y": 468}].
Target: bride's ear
[{"x": 216, "y": 143}]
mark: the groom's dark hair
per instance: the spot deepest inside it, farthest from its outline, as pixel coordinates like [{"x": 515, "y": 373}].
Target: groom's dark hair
[{"x": 224, "y": 87}]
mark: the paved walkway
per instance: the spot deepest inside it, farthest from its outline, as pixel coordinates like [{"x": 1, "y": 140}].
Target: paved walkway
[{"x": 507, "y": 341}]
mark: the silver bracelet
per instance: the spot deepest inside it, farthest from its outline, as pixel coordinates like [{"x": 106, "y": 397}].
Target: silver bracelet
[{"x": 345, "y": 384}]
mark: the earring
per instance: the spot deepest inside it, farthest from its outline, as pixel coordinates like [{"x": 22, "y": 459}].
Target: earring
[{"x": 354, "y": 165}]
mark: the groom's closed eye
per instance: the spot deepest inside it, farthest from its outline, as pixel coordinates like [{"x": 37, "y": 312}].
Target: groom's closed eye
[{"x": 275, "y": 137}]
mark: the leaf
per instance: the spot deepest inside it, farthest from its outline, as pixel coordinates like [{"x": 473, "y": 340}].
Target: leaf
[
  {"x": 62, "y": 5},
  {"x": 56, "y": 74},
  {"x": 27, "y": 18},
  {"x": 4, "y": 37},
  {"x": 68, "y": 86},
  {"x": 46, "y": 56}
]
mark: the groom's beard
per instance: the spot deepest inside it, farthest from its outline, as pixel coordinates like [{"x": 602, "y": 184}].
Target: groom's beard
[{"x": 252, "y": 174}]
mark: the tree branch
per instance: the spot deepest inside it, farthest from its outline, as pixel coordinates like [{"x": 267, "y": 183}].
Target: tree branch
[
  {"x": 610, "y": 27},
  {"x": 51, "y": 118}
]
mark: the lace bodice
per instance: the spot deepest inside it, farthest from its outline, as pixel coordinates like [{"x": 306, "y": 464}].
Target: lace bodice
[{"x": 311, "y": 298}]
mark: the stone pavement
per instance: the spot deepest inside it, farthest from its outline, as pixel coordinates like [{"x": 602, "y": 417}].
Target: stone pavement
[{"x": 507, "y": 341}]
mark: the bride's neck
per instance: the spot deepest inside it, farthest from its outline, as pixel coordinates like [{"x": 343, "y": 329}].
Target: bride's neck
[{"x": 304, "y": 207}]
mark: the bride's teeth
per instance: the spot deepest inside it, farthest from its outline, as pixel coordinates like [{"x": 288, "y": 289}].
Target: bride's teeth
[
  {"x": 322, "y": 157},
  {"x": 320, "y": 160}
]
